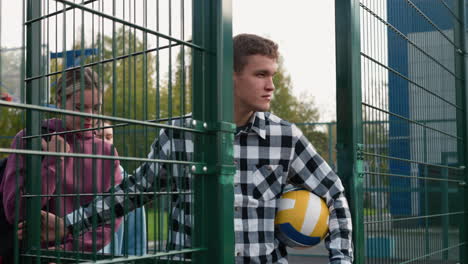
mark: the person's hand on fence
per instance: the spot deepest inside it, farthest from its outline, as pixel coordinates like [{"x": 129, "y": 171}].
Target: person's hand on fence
[
  {"x": 21, "y": 230},
  {"x": 52, "y": 227},
  {"x": 56, "y": 144}
]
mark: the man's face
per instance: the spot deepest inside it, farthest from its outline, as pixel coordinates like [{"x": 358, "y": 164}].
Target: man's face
[
  {"x": 253, "y": 86},
  {"x": 106, "y": 134},
  {"x": 90, "y": 106}
]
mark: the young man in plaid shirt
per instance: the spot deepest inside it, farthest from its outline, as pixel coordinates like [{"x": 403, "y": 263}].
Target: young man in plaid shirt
[{"x": 269, "y": 154}]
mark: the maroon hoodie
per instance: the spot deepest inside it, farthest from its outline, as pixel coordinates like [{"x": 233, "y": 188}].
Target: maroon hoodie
[{"x": 77, "y": 176}]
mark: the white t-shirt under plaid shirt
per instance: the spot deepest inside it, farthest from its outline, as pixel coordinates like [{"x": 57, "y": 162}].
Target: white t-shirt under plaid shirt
[{"x": 269, "y": 153}]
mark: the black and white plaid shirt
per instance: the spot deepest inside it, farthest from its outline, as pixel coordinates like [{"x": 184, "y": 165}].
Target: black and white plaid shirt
[{"x": 270, "y": 154}]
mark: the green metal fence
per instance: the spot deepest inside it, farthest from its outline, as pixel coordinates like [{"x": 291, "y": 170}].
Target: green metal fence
[
  {"x": 159, "y": 64},
  {"x": 401, "y": 128},
  {"x": 400, "y": 141}
]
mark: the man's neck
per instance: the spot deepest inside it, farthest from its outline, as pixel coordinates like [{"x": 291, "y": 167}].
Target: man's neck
[{"x": 241, "y": 118}]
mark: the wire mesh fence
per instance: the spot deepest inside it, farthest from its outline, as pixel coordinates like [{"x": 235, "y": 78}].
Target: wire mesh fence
[
  {"x": 146, "y": 73},
  {"x": 413, "y": 131},
  {"x": 99, "y": 102}
]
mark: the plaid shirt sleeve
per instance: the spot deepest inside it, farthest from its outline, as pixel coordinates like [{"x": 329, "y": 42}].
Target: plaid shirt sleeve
[
  {"x": 310, "y": 171},
  {"x": 143, "y": 183}
]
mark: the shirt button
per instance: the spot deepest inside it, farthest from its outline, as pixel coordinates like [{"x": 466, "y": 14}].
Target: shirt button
[
  {"x": 236, "y": 208},
  {"x": 238, "y": 253},
  {"x": 269, "y": 168},
  {"x": 236, "y": 162}
]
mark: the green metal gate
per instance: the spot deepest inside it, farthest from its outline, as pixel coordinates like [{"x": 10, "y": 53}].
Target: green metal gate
[
  {"x": 402, "y": 64},
  {"x": 159, "y": 63}
]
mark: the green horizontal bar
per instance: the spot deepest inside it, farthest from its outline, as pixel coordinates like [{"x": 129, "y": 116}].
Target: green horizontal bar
[
  {"x": 433, "y": 253},
  {"x": 91, "y": 156},
  {"x": 413, "y": 177},
  {"x": 411, "y": 121},
  {"x": 111, "y": 60},
  {"x": 315, "y": 123},
  {"x": 381, "y": 121},
  {"x": 420, "y": 230},
  {"x": 157, "y": 255},
  {"x": 410, "y": 81},
  {"x": 408, "y": 40},
  {"x": 309, "y": 255},
  {"x": 431, "y": 22},
  {"x": 451, "y": 11},
  {"x": 410, "y": 161},
  {"x": 413, "y": 218},
  {"x": 101, "y": 127},
  {"x": 94, "y": 116},
  {"x": 68, "y": 255},
  {"x": 144, "y": 29},
  {"x": 58, "y": 12},
  {"x": 411, "y": 189},
  {"x": 107, "y": 194}
]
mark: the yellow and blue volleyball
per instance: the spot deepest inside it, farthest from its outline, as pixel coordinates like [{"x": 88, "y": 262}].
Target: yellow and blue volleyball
[{"x": 301, "y": 219}]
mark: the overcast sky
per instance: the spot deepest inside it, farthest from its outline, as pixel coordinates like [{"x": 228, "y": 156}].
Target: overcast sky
[{"x": 304, "y": 30}]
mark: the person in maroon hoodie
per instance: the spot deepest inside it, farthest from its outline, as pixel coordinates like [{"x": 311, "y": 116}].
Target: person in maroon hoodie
[{"x": 69, "y": 175}]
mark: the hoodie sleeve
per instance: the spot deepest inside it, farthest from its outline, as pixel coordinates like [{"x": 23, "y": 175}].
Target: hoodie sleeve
[
  {"x": 15, "y": 172},
  {"x": 103, "y": 233},
  {"x": 145, "y": 179}
]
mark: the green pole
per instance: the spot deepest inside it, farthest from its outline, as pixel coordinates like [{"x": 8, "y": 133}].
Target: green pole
[
  {"x": 444, "y": 189},
  {"x": 461, "y": 99},
  {"x": 212, "y": 105},
  {"x": 33, "y": 162},
  {"x": 349, "y": 114},
  {"x": 426, "y": 195}
]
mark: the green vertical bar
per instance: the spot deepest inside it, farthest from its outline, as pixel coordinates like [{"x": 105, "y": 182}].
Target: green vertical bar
[
  {"x": 426, "y": 194},
  {"x": 460, "y": 72},
  {"x": 445, "y": 206},
  {"x": 33, "y": 162},
  {"x": 349, "y": 114},
  {"x": 212, "y": 103}
]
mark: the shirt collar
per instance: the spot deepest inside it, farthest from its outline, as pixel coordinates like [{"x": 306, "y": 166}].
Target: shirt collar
[{"x": 256, "y": 124}]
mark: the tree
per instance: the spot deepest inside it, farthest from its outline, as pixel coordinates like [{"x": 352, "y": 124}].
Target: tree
[
  {"x": 295, "y": 110},
  {"x": 182, "y": 85},
  {"x": 129, "y": 92},
  {"x": 11, "y": 119}
]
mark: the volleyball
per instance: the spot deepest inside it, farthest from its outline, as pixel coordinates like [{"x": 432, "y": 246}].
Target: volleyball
[{"x": 301, "y": 219}]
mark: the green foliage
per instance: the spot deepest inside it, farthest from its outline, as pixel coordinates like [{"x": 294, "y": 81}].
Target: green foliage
[
  {"x": 295, "y": 110},
  {"x": 10, "y": 82},
  {"x": 131, "y": 90},
  {"x": 157, "y": 224},
  {"x": 10, "y": 124},
  {"x": 182, "y": 86},
  {"x": 286, "y": 105}
]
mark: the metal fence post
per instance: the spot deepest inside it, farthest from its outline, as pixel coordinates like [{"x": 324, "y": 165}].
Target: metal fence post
[
  {"x": 349, "y": 115},
  {"x": 33, "y": 162},
  {"x": 212, "y": 92},
  {"x": 330, "y": 145},
  {"x": 460, "y": 70}
]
